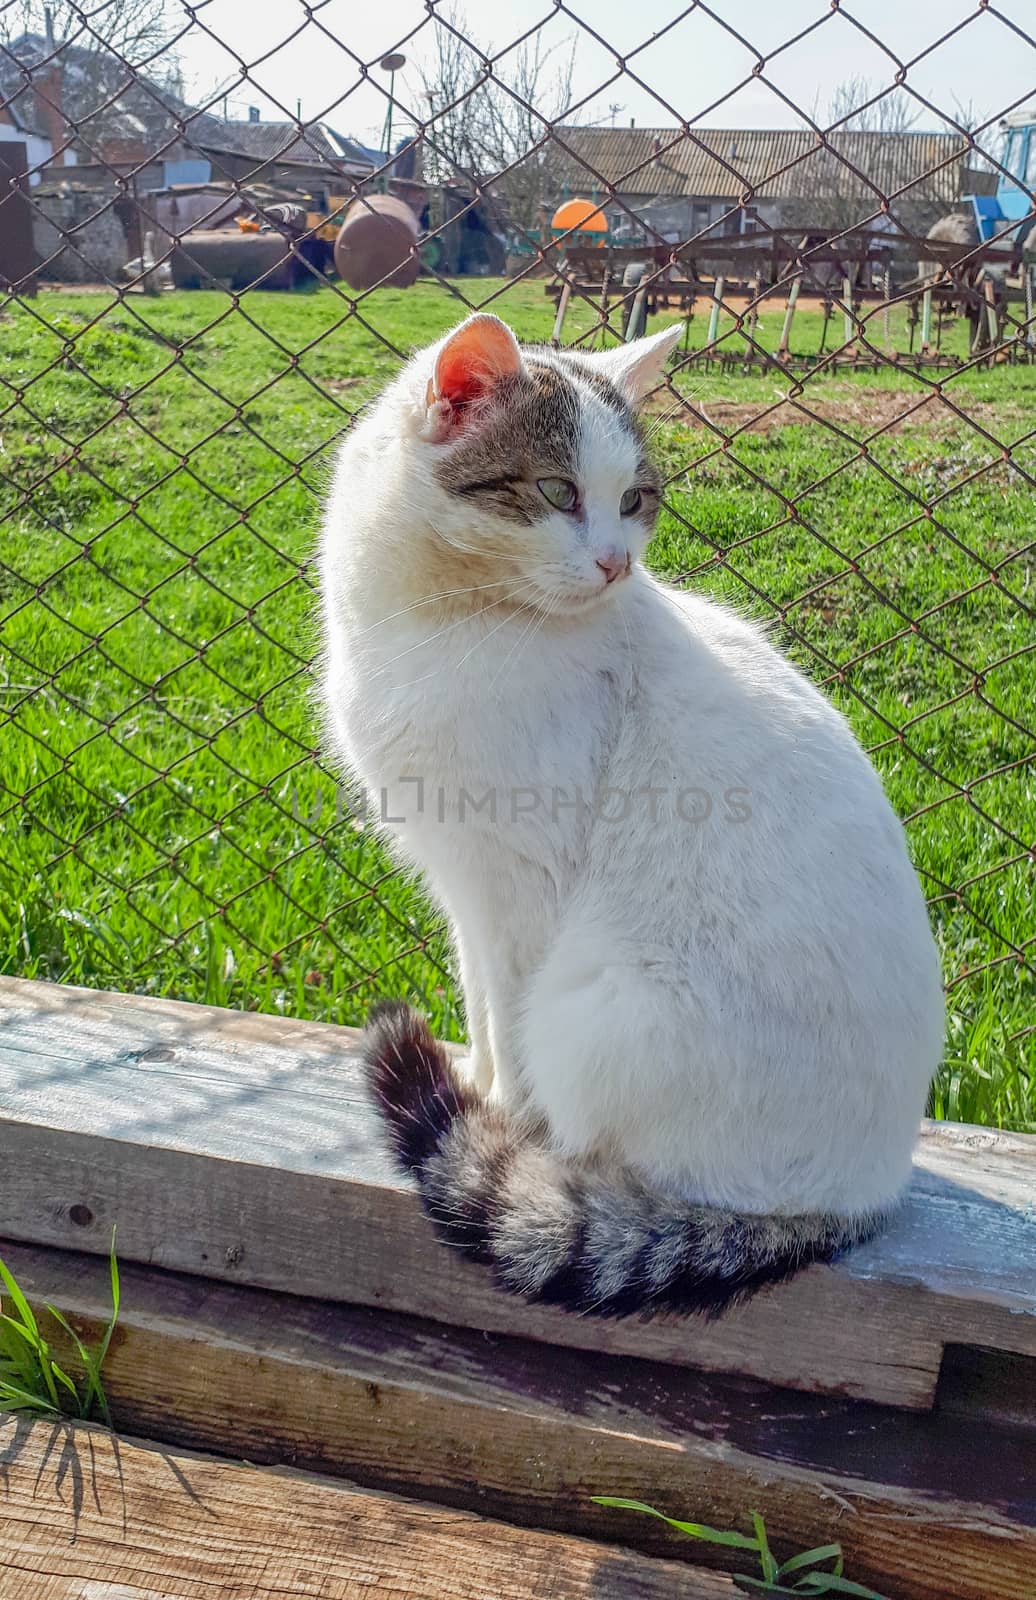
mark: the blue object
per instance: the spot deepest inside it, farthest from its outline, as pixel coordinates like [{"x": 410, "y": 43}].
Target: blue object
[
  {"x": 1013, "y": 201},
  {"x": 191, "y": 171}
]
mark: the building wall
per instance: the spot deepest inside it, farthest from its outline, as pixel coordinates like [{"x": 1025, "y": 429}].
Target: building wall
[
  {"x": 686, "y": 216},
  {"x": 39, "y": 150},
  {"x": 101, "y": 247}
]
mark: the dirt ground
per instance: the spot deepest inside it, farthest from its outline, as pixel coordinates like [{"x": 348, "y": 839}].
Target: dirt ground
[{"x": 858, "y": 408}]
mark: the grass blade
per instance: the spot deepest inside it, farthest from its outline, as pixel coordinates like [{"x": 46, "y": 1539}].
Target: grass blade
[
  {"x": 14, "y": 1398},
  {"x": 18, "y": 1347},
  {"x": 810, "y": 1583},
  {"x": 766, "y": 1558},
  {"x": 38, "y": 1366},
  {"x": 820, "y": 1583},
  {"x": 94, "y": 1391},
  {"x": 813, "y": 1558},
  {"x": 93, "y": 1361},
  {"x": 763, "y": 1586},
  {"x": 63, "y": 1378},
  {"x": 22, "y": 1305},
  {"x": 693, "y": 1530},
  {"x": 106, "y": 1340}
]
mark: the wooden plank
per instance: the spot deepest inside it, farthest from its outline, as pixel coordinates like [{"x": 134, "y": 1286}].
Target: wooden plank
[
  {"x": 559, "y": 319},
  {"x": 241, "y": 1147},
  {"x": 85, "y": 1515},
  {"x": 926, "y": 1505},
  {"x": 789, "y": 313}
]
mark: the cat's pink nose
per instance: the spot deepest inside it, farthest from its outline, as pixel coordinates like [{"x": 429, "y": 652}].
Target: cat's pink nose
[{"x": 613, "y": 563}]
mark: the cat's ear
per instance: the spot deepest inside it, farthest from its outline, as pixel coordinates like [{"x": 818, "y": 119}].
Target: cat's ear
[
  {"x": 638, "y": 367},
  {"x": 470, "y": 363}
]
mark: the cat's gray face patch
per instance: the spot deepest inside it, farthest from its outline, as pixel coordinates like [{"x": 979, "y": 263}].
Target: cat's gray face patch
[
  {"x": 584, "y": 368},
  {"x": 528, "y": 428}
]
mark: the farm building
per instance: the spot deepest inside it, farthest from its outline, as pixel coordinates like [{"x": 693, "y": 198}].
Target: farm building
[
  {"x": 682, "y": 183},
  {"x": 119, "y": 159},
  {"x": 277, "y": 153},
  {"x": 87, "y": 127},
  {"x": 22, "y": 126}
]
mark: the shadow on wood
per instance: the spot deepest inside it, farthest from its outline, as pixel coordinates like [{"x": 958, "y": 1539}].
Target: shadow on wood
[{"x": 144, "y": 1521}]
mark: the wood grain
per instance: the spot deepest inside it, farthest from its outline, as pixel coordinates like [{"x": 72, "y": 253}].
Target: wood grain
[
  {"x": 242, "y": 1148},
  {"x": 928, "y": 1506},
  {"x": 85, "y": 1515}
]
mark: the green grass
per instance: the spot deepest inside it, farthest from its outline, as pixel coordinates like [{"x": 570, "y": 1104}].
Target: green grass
[
  {"x": 166, "y": 825},
  {"x": 31, "y": 1380},
  {"x": 819, "y": 1571}
]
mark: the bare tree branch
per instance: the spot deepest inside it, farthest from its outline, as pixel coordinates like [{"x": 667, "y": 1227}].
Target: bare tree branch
[
  {"x": 484, "y": 123},
  {"x": 830, "y": 194},
  {"x": 93, "y": 50}
]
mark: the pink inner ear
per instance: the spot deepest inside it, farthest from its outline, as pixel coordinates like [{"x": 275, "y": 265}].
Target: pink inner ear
[{"x": 480, "y": 353}]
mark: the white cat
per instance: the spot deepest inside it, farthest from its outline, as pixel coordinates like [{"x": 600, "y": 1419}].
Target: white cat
[{"x": 703, "y": 997}]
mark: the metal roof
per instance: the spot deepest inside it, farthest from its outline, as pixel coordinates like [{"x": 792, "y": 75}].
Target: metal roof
[
  {"x": 272, "y": 141},
  {"x": 779, "y": 163}
]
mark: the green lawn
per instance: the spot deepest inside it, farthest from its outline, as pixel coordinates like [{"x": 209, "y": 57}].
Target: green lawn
[{"x": 166, "y": 824}]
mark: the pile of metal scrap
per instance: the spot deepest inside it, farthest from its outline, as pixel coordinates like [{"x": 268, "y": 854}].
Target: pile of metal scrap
[
  {"x": 263, "y": 236},
  {"x": 213, "y": 233}
]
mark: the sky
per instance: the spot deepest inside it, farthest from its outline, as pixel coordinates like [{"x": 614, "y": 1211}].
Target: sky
[{"x": 686, "y": 62}]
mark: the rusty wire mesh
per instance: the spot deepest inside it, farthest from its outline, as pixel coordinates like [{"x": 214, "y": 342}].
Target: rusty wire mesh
[{"x": 167, "y": 823}]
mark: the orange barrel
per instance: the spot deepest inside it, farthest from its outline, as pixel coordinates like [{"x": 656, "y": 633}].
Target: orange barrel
[
  {"x": 377, "y": 243},
  {"x": 582, "y": 216}
]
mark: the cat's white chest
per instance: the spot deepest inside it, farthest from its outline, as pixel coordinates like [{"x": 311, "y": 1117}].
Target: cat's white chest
[{"x": 486, "y": 752}]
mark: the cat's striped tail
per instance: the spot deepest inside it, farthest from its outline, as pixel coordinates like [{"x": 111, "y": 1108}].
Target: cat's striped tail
[{"x": 591, "y": 1239}]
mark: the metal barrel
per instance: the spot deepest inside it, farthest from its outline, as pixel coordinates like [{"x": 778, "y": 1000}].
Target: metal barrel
[{"x": 377, "y": 244}]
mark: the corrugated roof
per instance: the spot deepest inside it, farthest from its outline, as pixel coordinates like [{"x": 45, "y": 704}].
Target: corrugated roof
[
  {"x": 266, "y": 141},
  {"x": 779, "y": 163}
]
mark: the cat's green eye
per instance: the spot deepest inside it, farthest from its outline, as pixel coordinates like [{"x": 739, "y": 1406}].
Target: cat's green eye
[
  {"x": 630, "y": 502},
  {"x": 560, "y": 492}
]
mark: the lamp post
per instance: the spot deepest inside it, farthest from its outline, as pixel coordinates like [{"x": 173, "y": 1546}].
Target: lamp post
[{"x": 390, "y": 64}]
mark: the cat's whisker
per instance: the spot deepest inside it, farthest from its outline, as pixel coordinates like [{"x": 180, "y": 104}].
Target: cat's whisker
[
  {"x": 487, "y": 636},
  {"x": 540, "y": 617},
  {"x": 536, "y": 621},
  {"x": 683, "y": 404},
  {"x": 470, "y": 549},
  {"x": 625, "y": 624},
  {"x": 430, "y": 599},
  {"x": 441, "y": 633},
  {"x": 425, "y": 677}
]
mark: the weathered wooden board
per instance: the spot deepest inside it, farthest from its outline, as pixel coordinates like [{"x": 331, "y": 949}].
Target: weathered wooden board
[
  {"x": 928, "y": 1506},
  {"x": 85, "y": 1515},
  {"x": 241, "y": 1147}
]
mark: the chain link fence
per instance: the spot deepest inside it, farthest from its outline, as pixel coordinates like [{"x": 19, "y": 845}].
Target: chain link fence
[{"x": 846, "y": 432}]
